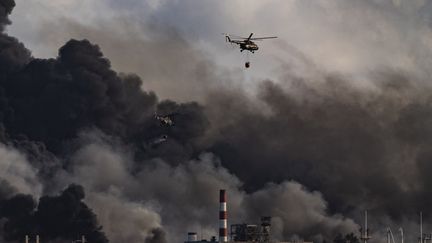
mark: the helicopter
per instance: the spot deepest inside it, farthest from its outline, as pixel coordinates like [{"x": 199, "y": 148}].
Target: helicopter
[
  {"x": 164, "y": 120},
  {"x": 167, "y": 119},
  {"x": 246, "y": 43}
]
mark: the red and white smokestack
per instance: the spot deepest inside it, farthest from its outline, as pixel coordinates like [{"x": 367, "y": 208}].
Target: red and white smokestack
[{"x": 223, "y": 225}]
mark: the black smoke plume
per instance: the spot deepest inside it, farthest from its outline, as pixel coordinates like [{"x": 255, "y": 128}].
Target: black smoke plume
[
  {"x": 46, "y": 103},
  {"x": 78, "y": 90},
  {"x": 63, "y": 217}
]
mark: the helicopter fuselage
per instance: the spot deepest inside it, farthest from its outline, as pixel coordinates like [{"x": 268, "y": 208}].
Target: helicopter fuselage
[{"x": 249, "y": 46}]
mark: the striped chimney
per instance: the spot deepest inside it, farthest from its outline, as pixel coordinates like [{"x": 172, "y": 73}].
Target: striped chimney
[{"x": 223, "y": 225}]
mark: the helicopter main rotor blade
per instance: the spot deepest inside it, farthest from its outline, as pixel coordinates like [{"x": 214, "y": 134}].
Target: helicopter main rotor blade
[
  {"x": 264, "y": 38},
  {"x": 235, "y": 36},
  {"x": 249, "y": 36}
]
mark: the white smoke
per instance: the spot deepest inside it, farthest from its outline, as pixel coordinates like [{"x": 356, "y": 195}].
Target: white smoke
[{"x": 18, "y": 172}]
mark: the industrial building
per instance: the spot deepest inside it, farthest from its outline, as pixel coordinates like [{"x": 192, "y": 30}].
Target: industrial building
[{"x": 242, "y": 233}]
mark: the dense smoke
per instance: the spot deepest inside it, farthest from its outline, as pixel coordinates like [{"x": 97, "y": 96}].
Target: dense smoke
[
  {"x": 311, "y": 149},
  {"x": 348, "y": 143},
  {"x": 180, "y": 197},
  {"x": 63, "y": 217},
  {"x": 5, "y": 9}
]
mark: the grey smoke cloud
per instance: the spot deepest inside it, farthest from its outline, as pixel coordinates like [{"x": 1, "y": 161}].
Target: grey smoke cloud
[
  {"x": 362, "y": 148},
  {"x": 300, "y": 211},
  {"x": 181, "y": 198},
  {"x": 16, "y": 171},
  {"x": 124, "y": 220}
]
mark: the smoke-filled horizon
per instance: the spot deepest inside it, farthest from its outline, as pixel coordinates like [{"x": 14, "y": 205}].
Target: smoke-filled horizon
[{"x": 312, "y": 145}]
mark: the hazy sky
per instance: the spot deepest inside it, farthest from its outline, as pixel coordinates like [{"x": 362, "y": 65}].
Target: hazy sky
[{"x": 348, "y": 37}]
